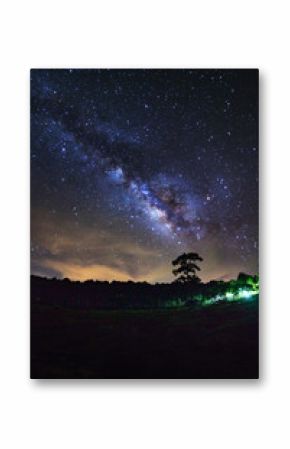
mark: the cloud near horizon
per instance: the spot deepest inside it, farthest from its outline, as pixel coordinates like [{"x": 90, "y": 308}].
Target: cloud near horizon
[{"x": 61, "y": 250}]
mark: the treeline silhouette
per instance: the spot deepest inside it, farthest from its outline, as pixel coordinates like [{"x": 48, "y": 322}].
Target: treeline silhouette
[{"x": 116, "y": 295}]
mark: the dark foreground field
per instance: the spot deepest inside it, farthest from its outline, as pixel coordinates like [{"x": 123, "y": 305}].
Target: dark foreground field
[{"x": 211, "y": 342}]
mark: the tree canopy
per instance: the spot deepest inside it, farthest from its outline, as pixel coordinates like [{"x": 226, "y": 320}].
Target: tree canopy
[{"x": 186, "y": 267}]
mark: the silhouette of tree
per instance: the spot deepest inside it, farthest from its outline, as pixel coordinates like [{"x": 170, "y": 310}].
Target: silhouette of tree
[{"x": 186, "y": 268}]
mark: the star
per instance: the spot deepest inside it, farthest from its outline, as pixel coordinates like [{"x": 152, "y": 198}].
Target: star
[{"x": 144, "y": 162}]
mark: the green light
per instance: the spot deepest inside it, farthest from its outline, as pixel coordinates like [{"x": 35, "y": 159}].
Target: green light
[
  {"x": 247, "y": 293},
  {"x": 208, "y": 302},
  {"x": 238, "y": 295},
  {"x": 229, "y": 295}
]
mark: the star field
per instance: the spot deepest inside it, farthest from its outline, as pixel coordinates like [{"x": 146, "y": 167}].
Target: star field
[{"x": 130, "y": 168}]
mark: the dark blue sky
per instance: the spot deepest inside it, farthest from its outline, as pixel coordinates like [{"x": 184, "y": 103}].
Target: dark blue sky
[{"x": 129, "y": 168}]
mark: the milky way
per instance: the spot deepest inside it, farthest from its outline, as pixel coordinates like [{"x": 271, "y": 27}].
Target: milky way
[{"x": 129, "y": 168}]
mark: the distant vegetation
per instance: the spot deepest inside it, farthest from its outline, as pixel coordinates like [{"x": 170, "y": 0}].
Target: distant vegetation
[{"x": 114, "y": 295}]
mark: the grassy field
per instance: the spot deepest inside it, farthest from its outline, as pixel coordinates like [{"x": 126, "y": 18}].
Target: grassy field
[{"x": 212, "y": 342}]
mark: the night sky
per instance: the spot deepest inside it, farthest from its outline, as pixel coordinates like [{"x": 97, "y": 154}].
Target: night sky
[{"x": 130, "y": 168}]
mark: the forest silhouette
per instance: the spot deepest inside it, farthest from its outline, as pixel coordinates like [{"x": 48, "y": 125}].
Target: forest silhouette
[{"x": 186, "y": 290}]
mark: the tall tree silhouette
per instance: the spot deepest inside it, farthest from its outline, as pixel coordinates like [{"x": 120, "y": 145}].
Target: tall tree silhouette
[{"x": 186, "y": 268}]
